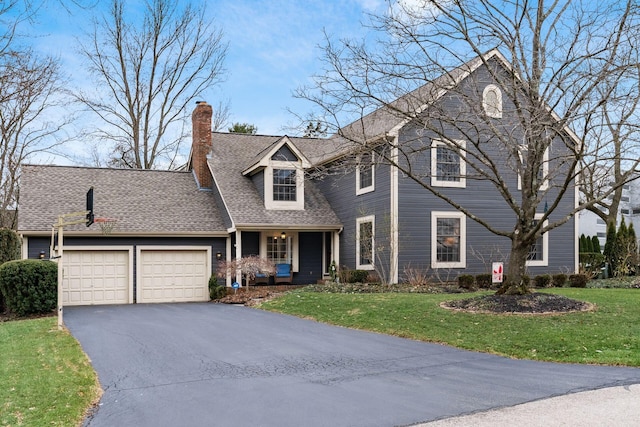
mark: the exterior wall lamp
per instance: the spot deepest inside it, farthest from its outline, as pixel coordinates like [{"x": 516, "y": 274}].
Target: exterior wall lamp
[
  {"x": 42, "y": 255},
  {"x": 218, "y": 255},
  {"x": 283, "y": 235}
]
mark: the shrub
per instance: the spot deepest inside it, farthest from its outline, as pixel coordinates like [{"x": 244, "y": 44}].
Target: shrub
[
  {"x": 466, "y": 281},
  {"x": 9, "y": 245},
  {"x": 578, "y": 280},
  {"x": 29, "y": 286},
  {"x": 415, "y": 276},
  {"x": 358, "y": 276},
  {"x": 216, "y": 291},
  {"x": 484, "y": 281},
  {"x": 559, "y": 280},
  {"x": 542, "y": 281},
  {"x": 591, "y": 263}
]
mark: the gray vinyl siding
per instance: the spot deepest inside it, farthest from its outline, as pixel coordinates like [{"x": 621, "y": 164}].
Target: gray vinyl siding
[
  {"x": 258, "y": 181},
  {"x": 340, "y": 191},
  {"x": 37, "y": 244},
  {"x": 250, "y": 243},
  {"x": 480, "y": 197}
]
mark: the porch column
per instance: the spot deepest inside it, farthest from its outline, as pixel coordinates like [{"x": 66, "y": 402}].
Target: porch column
[
  {"x": 229, "y": 257},
  {"x": 335, "y": 251},
  {"x": 239, "y": 255}
]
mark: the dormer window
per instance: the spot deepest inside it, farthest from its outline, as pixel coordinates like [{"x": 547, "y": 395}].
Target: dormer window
[
  {"x": 492, "y": 101},
  {"x": 278, "y": 174},
  {"x": 284, "y": 185}
]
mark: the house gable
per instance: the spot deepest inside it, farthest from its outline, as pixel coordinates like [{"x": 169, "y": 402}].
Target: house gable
[
  {"x": 241, "y": 176},
  {"x": 279, "y": 172}
]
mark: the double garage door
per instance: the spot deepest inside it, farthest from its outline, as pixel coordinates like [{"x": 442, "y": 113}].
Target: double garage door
[{"x": 106, "y": 276}]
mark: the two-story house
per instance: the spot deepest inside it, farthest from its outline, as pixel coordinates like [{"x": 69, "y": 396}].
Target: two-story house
[{"x": 306, "y": 202}]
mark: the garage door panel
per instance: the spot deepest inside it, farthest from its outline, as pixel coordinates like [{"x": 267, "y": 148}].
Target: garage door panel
[
  {"x": 96, "y": 277},
  {"x": 173, "y": 275}
]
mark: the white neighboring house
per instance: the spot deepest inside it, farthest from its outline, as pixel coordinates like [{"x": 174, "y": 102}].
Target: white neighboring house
[{"x": 591, "y": 224}]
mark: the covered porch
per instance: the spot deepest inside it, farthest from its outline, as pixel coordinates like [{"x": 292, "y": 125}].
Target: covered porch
[{"x": 308, "y": 252}]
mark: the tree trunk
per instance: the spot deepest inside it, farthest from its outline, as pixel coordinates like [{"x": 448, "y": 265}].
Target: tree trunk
[{"x": 515, "y": 282}]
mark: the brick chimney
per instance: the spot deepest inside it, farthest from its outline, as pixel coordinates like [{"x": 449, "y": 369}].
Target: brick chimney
[{"x": 201, "y": 143}]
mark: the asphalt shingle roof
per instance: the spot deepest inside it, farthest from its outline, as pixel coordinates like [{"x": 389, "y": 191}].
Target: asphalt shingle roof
[
  {"x": 143, "y": 201},
  {"x": 231, "y": 154}
]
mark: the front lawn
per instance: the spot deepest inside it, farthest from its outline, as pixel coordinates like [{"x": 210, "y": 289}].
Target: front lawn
[
  {"x": 45, "y": 377},
  {"x": 609, "y": 335}
]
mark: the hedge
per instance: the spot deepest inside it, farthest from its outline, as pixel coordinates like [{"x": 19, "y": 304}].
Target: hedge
[{"x": 29, "y": 286}]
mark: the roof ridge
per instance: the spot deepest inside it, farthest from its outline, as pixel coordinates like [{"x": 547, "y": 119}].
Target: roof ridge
[{"x": 103, "y": 168}]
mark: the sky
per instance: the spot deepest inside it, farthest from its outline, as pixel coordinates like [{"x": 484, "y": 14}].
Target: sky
[{"x": 273, "y": 50}]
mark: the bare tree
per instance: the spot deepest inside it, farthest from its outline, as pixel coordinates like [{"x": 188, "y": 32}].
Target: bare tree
[
  {"x": 560, "y": 61},
  {"x": 221, "y": 115},
  {"x": 147, "y": 72},
  {"x": 613, "y": 138},
  {"x": 30, "y": 119}
]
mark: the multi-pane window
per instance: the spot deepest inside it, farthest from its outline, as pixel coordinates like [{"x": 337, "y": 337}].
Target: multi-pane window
[
  {"x": 448, "y": 164},
  {"x": 448, "y": 249},
  {"x": 448, "y": 167},
  {"x": 448, "y": 239},
  {"x": 365, "y": 173},
  {"x": 284, "y": 185},
  {"x": 537, "y": 255},
  {"x": 536, "y": 251},
  {"x": 542, "y": 173},
  {"x": 279, "y": 249},
  {"x": 365, "y": 243}
]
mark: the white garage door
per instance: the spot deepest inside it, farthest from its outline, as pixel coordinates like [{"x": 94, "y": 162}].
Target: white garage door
[
  {"x": 95, "y": 277},
  {"x": 173, "y": 276}
]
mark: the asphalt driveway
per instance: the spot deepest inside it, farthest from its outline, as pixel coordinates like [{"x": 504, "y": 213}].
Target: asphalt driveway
[{"x": 203, "y": 364}]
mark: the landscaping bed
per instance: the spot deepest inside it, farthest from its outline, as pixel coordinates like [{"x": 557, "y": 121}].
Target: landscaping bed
[
  {"x": 533, "y": 303},
  {"x": 252, "y": 295}
]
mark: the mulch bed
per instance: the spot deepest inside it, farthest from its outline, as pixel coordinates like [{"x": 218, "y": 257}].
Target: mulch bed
[
  {"x": 253, "y": 295},
  {"x": 533, "y": 303}
]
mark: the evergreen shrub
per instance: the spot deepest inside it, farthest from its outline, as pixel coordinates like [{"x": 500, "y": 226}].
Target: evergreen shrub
[
  {"x": 216, "y": 291},
  {"x": 29, "y": 286},
  {"x": 358, "y": 276},
  {"x": 559, "y": 280},
  {"x": 466, "y": 281},
  {"x": 542, "y": 281},
  {"x": 484, "y": 280},
  {"x": 578, "y": 280}
]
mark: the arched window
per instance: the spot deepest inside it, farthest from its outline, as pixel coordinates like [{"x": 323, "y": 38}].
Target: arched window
[{"x": 492, "y": 101}]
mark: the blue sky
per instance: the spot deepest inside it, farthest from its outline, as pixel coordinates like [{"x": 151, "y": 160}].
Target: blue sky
[{"x": 273, "y": 49}]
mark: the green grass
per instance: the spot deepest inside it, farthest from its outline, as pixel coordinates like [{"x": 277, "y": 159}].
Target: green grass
[
  {"x": 610, "y": 335},
  {"x": 45, "y": 377}
]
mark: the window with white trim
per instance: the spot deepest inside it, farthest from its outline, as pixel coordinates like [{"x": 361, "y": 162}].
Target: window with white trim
[
  {"x": 543, "y": 173},
  {"x": 279, "y": 249},
  {"x": 365, "y": 173},
  {"x": 448, "y": 166},
  {"x": 492, "y": 101},
  {"x": 365, "y": 242},
  {"x": 284, "y": 185},
  {"x": 448, "y": 240},
  {"x": 537, "y": 256}
]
